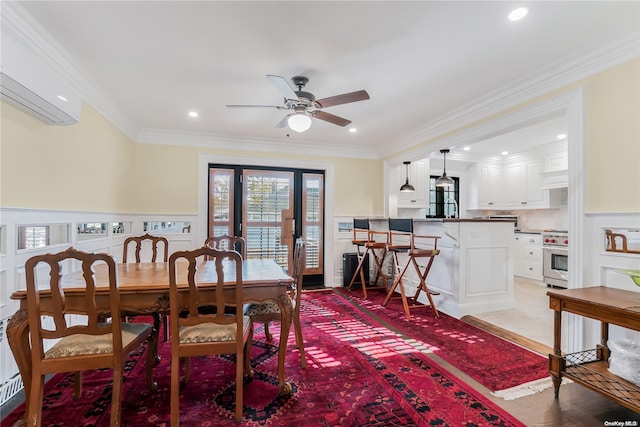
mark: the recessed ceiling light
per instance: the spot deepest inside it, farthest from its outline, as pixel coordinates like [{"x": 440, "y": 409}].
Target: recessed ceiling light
[
  {"x": 193, "y": 114},
  {"x": 467, "y": 148},
  {"x": 504, "y": 153},
  {"x": 561, "y": 136},
  {"x": 62, "y": 98},
  {"x": 353, "y": 130},
  {"x": 518, "y": 14}
]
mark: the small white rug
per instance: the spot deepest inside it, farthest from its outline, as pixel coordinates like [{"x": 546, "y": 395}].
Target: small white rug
[{"x": 527, "y": 389}]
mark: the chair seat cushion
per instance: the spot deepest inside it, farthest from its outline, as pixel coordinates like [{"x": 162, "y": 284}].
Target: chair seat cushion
[
  {"x": 83, "y": 344},
  {"x": 211, "y": 332},
  {"x": 269, "y": 307}
]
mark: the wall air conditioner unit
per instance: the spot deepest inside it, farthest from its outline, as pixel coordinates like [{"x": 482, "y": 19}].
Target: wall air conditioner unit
[{"x": 29, "y": 85}]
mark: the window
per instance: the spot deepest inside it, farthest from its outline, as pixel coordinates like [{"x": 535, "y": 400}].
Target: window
[
  {"x": 441, "y": 199},
  {"x": 41, "y": 235}
]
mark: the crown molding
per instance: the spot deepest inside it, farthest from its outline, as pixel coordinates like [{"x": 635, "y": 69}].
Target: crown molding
[
  {"x": 224, "y": 142},
  {"x": 535, "y": 84},
  {"x": 17, "y": 23}
]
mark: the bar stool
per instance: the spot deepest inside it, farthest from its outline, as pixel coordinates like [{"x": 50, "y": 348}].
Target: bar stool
[
  {"x": 421, "y": 247},
  {"x": 400, "y": 231},
  {"x": 374, "y": 243}
]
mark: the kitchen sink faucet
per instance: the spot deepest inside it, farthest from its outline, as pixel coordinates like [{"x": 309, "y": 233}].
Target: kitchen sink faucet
[{"x": 455, "y": 210}]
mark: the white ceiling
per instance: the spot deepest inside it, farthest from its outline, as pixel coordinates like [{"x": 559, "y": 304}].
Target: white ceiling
[{"x": 420, "y": 61}]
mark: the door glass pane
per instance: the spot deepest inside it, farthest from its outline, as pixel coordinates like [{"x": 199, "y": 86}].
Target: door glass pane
[
  {"x": 312, "y": 216},
  {"x": 220, "y": 202},
  {"x": 268, "y": 211}
]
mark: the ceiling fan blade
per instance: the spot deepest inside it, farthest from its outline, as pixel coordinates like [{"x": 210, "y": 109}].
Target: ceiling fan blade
[
  {"x": 283, "y": 123},
  {"x": 283, "y": 86},
  {"x": 345, "y": 98},
  {"x": 331, "y": 118},
  {"x": 278, "y": 107}
]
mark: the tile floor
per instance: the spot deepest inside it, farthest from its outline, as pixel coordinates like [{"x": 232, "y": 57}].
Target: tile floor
[{"x": 532, "y": 317}]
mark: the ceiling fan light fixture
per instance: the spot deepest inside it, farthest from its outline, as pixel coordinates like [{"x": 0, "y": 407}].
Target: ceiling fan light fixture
[
  {"x": 444, "y": 180},
  {"x": 406, "y": 187},
  {"x": 299, "y": 122}
]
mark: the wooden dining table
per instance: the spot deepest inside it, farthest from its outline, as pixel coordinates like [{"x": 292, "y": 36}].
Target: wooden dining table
[{"x": 144, "y": 289}]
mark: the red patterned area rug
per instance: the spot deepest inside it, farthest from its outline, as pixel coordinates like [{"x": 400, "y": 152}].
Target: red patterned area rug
[
  {"x": 492, "y": 361},
  {"x": 359, "y": 373}
]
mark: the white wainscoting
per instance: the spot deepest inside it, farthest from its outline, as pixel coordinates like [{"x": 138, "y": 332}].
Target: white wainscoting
[
  {"x": 599, "y": 265},
  {"x": 12, "y": 260}
]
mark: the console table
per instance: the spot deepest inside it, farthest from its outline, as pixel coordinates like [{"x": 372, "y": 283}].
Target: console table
[{"x": 589, "y": 368}]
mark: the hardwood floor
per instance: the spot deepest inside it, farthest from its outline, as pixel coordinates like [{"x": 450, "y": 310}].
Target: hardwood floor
[{"x": 530, "y": 325}]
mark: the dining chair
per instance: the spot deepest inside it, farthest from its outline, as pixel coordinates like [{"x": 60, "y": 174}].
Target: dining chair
[
  {"x": 158, "y": 318},
  {"x": 270, "y": 311},
  {"x": 198, "y": 334},
  {"x": 96, "y": 345},
  {"x": 228, "y": 243}
]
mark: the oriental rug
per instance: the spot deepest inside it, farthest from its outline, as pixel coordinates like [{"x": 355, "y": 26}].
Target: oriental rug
[
  {"x": 492, "y": 361},
  {"x": 359, "y": 373}
]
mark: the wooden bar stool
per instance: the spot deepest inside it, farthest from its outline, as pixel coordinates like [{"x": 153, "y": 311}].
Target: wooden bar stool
[
  {"x": 424, "y": 248},
  {"x": 400, "y": 231},
  {"x": 360, "y": 238},
  {"x": 372, "y": 242}
]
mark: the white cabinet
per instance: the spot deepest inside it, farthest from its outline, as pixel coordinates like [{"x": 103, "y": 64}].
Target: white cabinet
[
  {"x": 489, "y": 186},
  {"x": 515, "y": 185},
  {"x": 523, "y": 185},
  {"x": 419, "y": 178},
  {"x": 528, "y": 256},
  {"x": 556, "y": 170}
]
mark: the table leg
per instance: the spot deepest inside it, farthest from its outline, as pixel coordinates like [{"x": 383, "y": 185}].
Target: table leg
[
  {"x": 18, "y": 338},
  {"x": 286, "y": 310},
  {"x": 556, "y": 361}
]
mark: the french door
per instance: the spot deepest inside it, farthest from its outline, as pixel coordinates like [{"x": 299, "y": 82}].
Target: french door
[{"x": 270, "y": 208}]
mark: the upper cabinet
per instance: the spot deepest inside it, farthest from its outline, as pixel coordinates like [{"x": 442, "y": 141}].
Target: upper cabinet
[
  {"x": 489, "y": 186},
  {"x": 556, "y": 170},
  {"x": 519, "y": 183},
  {"x": 523, "y": 185},
  {"x": 419, "y": 178}
]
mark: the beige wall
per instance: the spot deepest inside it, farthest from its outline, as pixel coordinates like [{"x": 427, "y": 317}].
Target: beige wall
[
  {"x": 80, "y": 167},
  {"x": 612, "y": 116},
  {"x": 92, "y": 166}
]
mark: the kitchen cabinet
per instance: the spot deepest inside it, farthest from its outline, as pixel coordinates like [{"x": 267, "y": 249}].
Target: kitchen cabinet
[
  {"x": 516, "y": 185},
  {"x": 489, "y": 186},
  {"x": 528, "y": 256},
  {"x": 555, "y": 173},
  {"x": 419, "y": 178},
  {"x": 523, "y": 185}
]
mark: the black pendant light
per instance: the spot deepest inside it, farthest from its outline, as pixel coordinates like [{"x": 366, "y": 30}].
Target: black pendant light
[
  {"x": 406, "y": 187},
  {"x": 444, "y": 180}
]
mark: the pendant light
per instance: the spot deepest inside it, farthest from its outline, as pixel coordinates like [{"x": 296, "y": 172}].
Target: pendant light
[
  {"x": 444, "y": 180},
  {"x": 406, "y": 187}
]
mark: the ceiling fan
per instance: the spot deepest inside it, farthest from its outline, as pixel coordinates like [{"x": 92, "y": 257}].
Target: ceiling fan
[{"x": 304, "y": 105}]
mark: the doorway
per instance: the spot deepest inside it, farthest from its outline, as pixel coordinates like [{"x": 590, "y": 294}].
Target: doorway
[{"x": 270, "y": 207}]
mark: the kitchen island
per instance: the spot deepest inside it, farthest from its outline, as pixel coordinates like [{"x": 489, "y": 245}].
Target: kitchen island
[{"x": 474, "y": 271}]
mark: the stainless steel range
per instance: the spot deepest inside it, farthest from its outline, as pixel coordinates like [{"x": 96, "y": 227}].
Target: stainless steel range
[{"x": 555, "y": 257}]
